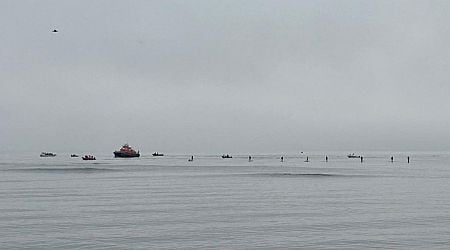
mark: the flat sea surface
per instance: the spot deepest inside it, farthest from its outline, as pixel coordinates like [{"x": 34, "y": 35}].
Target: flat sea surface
[{"x": 213, "y": 203}]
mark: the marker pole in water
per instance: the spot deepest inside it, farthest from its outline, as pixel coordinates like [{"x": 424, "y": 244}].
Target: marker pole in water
[
  {"x": 326, "y": 158},
  {"x": 362, "y": 158},
  {"x": 408, "y": 159}
]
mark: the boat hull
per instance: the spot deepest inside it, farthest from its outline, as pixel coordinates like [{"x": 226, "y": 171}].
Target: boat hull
[
  {"x": 119, "y": 154},
  {"x": 47, "y": 155}
]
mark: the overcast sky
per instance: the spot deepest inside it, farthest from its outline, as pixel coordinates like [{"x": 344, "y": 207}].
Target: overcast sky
[{"x": 225, "y": 76}]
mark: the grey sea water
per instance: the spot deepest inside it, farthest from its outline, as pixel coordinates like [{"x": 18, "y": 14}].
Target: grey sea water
[{"x": 213, "y": 203}]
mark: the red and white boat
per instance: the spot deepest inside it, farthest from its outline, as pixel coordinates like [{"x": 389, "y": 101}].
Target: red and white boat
[{"x": 126, "y": 152}]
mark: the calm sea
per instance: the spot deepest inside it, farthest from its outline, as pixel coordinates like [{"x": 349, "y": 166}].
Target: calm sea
[{"x": 213, "y": 203}]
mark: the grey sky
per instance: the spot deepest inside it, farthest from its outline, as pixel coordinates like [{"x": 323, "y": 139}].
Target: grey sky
[{"x": 225, "y": 76}]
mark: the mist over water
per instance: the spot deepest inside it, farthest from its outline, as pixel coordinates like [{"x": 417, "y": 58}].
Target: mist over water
[
  {"x": 213, "y": 76},
  {"x": 168, "y": 202}
]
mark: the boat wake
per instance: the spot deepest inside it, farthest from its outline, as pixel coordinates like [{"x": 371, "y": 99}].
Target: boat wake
[
  {"x": 292, "y": 175},
  {"x": 65, "y": 170},
  {"x": 312, "y": 175}
]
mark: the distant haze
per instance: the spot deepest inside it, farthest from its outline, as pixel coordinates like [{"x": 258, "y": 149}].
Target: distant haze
[{"x": 225, "y": 76}]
